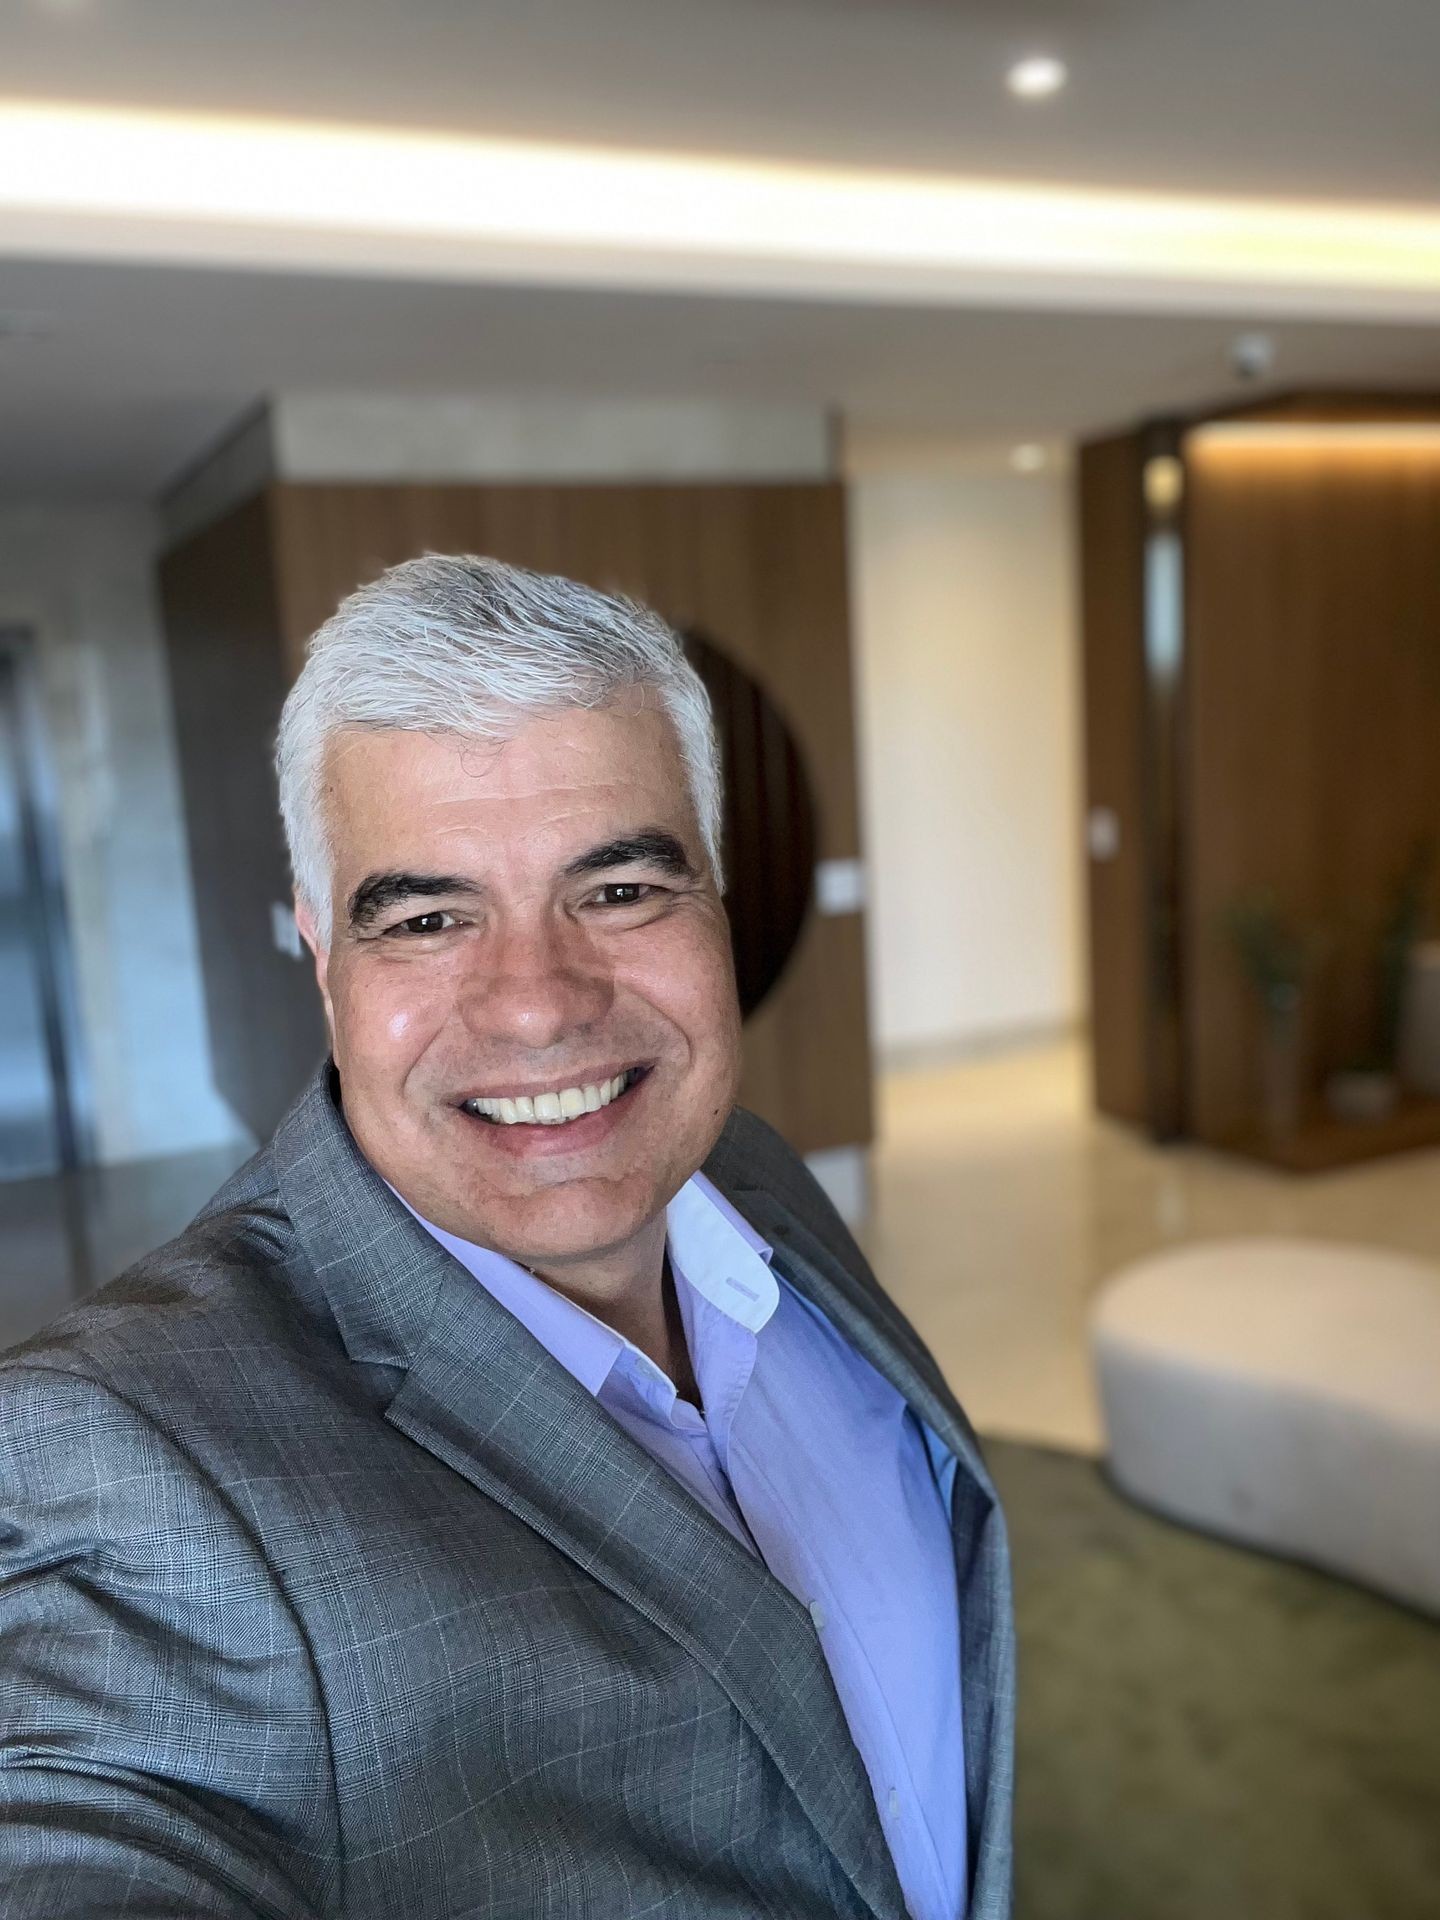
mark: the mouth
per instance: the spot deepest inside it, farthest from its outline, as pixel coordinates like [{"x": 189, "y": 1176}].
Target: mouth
[{"x": 559, "y": 1107}]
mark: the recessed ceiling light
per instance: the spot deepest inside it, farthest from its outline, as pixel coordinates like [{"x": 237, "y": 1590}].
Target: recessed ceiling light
[
  {"x": 1037, "y": 77},
  {"x": 1027, "y": 458}
]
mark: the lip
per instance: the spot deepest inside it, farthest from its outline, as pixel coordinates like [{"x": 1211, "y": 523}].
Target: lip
[
  {"x": 531, "y": 1142},
  {"x": 592, "y": 1077}
]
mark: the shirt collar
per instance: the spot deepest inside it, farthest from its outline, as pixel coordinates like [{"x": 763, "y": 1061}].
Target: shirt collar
[
  {"x": 713, "y": 1249},
  {"x": 720, "y": 1254}
]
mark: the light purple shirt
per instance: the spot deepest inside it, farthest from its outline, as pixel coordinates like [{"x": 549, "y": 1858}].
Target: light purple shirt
[{"x": 815, "y": 1463}]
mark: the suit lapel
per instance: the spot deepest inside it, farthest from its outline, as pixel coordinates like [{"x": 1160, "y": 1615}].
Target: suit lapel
[
  {"x": 873, "y": 1325},
  {"x": 481, "y": 1394}
]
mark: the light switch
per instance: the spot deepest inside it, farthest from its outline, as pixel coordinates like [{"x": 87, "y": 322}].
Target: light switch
[{"x": 839, "y": 886}]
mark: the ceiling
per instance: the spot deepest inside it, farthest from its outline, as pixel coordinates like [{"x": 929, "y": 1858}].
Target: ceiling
[
  {"x": 1322, "y": 97},
  {"x": 114, "y": 375},
  {"x": 146, "y": 366}
]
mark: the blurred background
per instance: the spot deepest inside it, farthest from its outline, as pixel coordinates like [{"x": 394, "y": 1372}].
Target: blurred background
[{"x": 1030, "y": 415}]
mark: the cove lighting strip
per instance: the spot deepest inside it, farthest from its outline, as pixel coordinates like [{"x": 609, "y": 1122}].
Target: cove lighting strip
[
  {"x": 81, "y": 182},
  {"x": 1321, "y": 436}
]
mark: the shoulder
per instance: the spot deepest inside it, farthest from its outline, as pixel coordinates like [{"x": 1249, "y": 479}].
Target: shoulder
[
  {"x": 108, "y": 1416},
  {"x": 231, "y": 1279},
  {"x": 752, "y": 1157}
]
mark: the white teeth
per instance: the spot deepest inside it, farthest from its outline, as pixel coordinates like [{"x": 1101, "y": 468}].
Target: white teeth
[{"x": 550, "y": 1109}]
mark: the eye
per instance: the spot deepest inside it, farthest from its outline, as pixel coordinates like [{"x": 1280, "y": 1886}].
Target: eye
[
  {"x": 625, "y": 893},
  {"x": 432, "y": 922}
]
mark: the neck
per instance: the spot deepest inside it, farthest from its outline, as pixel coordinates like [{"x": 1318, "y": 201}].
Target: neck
[{"x": 631, "y": 1290}]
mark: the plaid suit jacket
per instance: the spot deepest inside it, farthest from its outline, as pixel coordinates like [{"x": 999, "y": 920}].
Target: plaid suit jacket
[{"x": 325, "y": 1590}]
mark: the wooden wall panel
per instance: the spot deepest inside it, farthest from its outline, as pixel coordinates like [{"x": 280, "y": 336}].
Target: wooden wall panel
[
  {"x": 1111, "y": 544},
  {"x": 760, "y": 569},
  {"x": 1314, "y": 720},
  {"x": 227, "y": 682}
]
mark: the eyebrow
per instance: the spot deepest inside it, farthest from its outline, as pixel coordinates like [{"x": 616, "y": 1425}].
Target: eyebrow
[
  {"x": 651, "y": 847},
  {"x": 378, "y": 892}
]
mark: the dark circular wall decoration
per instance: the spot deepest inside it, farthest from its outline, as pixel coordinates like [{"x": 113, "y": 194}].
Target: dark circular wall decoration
[{"x": 769, "y": 832}]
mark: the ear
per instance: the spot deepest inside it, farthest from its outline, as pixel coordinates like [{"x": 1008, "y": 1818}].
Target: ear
[{"x": 305, "y": 921}]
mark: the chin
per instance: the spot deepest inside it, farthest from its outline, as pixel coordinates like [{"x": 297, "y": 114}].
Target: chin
[{"x": 568, "y": 1226}]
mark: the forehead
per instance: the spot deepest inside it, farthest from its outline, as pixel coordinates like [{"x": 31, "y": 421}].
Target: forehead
[{"x": 554, "y": 783}]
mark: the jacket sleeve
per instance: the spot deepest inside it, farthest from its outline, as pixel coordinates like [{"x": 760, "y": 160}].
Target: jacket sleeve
[{"x": 163, "y": 1744}]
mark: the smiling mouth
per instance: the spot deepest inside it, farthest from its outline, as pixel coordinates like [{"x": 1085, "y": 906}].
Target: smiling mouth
[{"x": 556, "y": 1109}]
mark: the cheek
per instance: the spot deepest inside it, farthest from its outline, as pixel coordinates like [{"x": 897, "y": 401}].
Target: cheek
[
  {"x": 692, "y": 982},
  {"x": 389, "y": 1013}
]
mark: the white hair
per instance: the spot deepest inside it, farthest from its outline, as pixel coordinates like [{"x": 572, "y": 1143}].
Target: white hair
[{"x": 457, "y": 644}]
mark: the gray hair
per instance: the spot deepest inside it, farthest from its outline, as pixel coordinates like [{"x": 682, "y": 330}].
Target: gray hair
[{"x": 457, "y": 644}]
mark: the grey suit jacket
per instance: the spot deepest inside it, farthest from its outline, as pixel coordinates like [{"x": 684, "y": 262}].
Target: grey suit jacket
[{"x": 325, "y": 1590}]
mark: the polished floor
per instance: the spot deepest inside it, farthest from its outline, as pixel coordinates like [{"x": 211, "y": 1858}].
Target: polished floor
[
  {"x": 61, "y": 1238},
  {"x": 1000, "y": 1206}
]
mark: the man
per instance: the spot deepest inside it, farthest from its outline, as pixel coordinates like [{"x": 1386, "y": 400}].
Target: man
[{"x": 481, "y": 1510}]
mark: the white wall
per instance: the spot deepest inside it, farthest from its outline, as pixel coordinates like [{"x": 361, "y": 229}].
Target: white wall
[
  {"x": 969, "y": 726},
  {"x": 415, "y": 437},
  {"x": 81, "y": 581}
]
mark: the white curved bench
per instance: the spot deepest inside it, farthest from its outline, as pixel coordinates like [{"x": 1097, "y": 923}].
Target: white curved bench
[{"x": 1285, "y": 1393}]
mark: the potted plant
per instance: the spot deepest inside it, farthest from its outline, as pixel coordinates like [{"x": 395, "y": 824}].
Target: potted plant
[
  {"x": 1366, "y": 1088},
  {"x": 1279, "y": 960}
]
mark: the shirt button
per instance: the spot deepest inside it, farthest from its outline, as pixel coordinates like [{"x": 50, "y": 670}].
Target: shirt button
[
  {"x": 894, "y": 1804},
  {"x": 817, "y": 1614}
]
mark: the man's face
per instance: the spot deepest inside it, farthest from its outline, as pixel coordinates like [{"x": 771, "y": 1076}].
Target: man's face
[{"x": 516, "y": 920}]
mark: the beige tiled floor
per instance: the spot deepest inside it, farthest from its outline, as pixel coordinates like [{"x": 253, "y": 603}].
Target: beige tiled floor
[{"x": 1001, "y": 1205}]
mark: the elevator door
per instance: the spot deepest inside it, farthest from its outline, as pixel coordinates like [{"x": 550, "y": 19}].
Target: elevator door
[{"x": 38, "y": 1121}]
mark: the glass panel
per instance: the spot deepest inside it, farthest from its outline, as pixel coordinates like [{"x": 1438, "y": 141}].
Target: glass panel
[{"x": 29, "y": 1135}]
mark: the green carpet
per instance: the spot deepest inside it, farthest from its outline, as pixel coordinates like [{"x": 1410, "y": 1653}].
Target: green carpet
[{"x": 1206, "y": 1733}]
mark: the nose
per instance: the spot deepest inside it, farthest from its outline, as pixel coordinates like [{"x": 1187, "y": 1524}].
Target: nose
[{"x": 535, "y": 984}]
